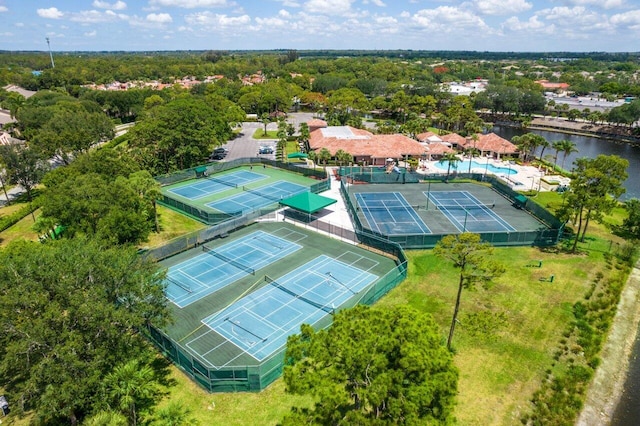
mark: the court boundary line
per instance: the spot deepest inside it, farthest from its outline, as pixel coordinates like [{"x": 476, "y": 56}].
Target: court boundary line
[
  {"x": 495, "y": 218},
  {"x": 404, "y": 204}
]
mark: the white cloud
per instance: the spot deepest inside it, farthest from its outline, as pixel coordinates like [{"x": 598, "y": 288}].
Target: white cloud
[
  {"x": 4, "y": 9},
  {"x": 379, "y": 3},
  {"x": 290, "y": 3},
  {"x": 272, "y": 22},
  {"x": 19, "y": 24},
  {"x": 190, "y": 4},
  {"x": 51, "y": 13},
  {"x": 447, "y": 19},
  {"x": 502, "y": 7},
  {"x": 208, "y": 19},
  {"x": 96, "y": 16},
  {"x": 91, "y": 34},
  {"x": 328, "y": 7},
  {"x": 119, "y": 5},
  {"x": 533, "y": 24},
  {"x": 159, "y": 18},
  {"x": 605, "y": 4},
  {"x": 629, "y": 19},
  {"x": 7, "y": 34}
]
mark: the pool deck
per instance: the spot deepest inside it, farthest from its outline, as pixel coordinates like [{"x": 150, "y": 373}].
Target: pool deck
[{"x": 525, "y": 178}]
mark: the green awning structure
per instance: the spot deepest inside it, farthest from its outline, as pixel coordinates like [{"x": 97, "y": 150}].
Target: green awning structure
[
  {"x": 520, "y": 200},
  {"x": 307, "y": 202},
  {"x": 297, "y": 155}
]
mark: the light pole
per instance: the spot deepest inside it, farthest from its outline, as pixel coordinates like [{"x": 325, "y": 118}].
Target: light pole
[
  {"x": 464, "y": 227},
  {"x": 50, "y": 54}
]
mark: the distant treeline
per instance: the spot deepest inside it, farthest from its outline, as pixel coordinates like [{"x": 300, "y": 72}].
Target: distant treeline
[{"x": 399, "y": 53}]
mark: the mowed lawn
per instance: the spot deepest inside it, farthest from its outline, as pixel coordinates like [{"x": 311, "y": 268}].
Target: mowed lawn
[{"x": 501, "y": 361}]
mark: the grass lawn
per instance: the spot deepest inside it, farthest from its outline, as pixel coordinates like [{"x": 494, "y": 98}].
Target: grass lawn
[
  {"x": 259, "y": 134},
  {"x": 501, "y": 364},
  {"x": 21, "y": 230},
  {"x": 504, "y": 343},
  {"x": 230, "y": 409},
  {"x": 172, "y": 225}
]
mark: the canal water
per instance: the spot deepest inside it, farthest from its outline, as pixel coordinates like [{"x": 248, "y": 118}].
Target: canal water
[
  {"x": 591, "y": 148},
  {"x": 627, "y": 412}
]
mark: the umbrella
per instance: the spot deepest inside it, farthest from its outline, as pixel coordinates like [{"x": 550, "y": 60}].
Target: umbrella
[{"x": 297, "y": 155}]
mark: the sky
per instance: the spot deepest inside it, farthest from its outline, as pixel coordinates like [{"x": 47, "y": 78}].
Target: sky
[{"x": 479, "y": 25}]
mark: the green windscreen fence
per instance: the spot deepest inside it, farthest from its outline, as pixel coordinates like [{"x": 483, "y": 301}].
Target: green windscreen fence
[
  {"x": 547, "y": 234},
  {"x": 210, "y": 216}
]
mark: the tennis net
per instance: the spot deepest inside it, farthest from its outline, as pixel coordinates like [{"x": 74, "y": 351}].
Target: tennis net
[
  {"x": 224, "y": 182},
  {"x": 263, "y": 195},
  {"x": 182, "y": 285},
  {"x": 234, "y": 262},
  {"x": 298, "y": 296},
  {"x": 464, "y": 207},
  {"x": 392, "y": 208}
]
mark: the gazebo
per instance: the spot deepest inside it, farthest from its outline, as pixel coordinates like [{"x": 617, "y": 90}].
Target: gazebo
[{"x": 307, "y": 202}]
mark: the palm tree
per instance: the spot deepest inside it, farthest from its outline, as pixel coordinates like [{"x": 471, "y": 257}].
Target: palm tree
[
  {"x": 264, "y": 119},
  {"x": 128, "y": 386},
  {"x": 106, "y": 418},
  {"x": 174, "y": 414},
  {"x": 304, "y": 136},
  {"x": 149, "y": 190},
  {"x": 567, "y": 148},
  {"x": 343, "y": 157},
  {"x": 324, "y": 155},
  {"x": 452, "y": 161},
  {"x": 557, "y": 147}
]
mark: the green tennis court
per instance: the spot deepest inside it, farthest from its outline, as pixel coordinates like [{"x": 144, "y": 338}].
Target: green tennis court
[{"x": 233, "y": 338}]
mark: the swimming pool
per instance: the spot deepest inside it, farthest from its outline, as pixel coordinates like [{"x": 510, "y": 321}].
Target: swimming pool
[{"x": 463, "y": 167}]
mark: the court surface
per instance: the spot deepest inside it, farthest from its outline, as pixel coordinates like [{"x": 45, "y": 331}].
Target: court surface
[
  {"x": 212, "y": 185},
  {"x": 260, "y": 322},
  {"x": 255, "y": 198},
  {"x": 211, "y": 271},
  {"x": 467, "y": 213},
  {"x": 389, "y": 213}
]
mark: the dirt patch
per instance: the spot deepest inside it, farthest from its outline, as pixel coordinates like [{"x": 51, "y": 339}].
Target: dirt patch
[{"x": 608, "y": 382}]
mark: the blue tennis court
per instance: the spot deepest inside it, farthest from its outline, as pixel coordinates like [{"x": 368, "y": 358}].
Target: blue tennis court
[
  {"x": 389, "y": 213},
  {"x": 252, "y": 199},
  {"x": 260, "y": 322},
  {"x": 214, "y": 269},
  {"x": 217, "y": 183},
  {"x": 467, "y": 213}
]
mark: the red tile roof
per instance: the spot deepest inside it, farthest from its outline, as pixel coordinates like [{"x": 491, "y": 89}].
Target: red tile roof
[
  {"x": 453, "y": 139},
  {"x": 439, "y": 148},
  {"x": 361, "y": 143},
  {"x": 316, "y": 122},
  {"x": 422, "y": 137},
  {"x": 491, "y": 143}
]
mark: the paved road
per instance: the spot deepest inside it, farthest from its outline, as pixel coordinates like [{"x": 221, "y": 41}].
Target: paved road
[{"x": 246, "y": 146}]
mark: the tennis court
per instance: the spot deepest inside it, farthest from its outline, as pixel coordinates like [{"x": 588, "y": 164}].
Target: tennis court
[
  {"x": 260, "y": 323},
  {"x": 389, "y": 213},
  {"x": 467, "y": 213},
  {"x": 255, "y": 198},
  {"x": 212, "y": 185},
  {"x": 214, "y": 269}
]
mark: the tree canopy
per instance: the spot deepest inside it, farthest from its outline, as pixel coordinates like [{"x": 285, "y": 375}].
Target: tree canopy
[
  {"x": 71, "y": 310},
  {"x": 373, "y": 366},
  {"x": 177, "y": 135},
  {"x": 473, "y": 258}
]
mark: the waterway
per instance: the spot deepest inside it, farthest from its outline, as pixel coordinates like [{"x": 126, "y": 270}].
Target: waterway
[
  {"x": 627, "y": 412},
  {"x": 589, "y": 147}
]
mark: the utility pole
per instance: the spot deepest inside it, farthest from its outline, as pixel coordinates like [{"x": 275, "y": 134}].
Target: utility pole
[{"x": 50, "y": 54}]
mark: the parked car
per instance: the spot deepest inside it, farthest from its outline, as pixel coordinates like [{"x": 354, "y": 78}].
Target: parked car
[
  {"x": 265, "y": 150},
  {"x": 218, "y": 153}
]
